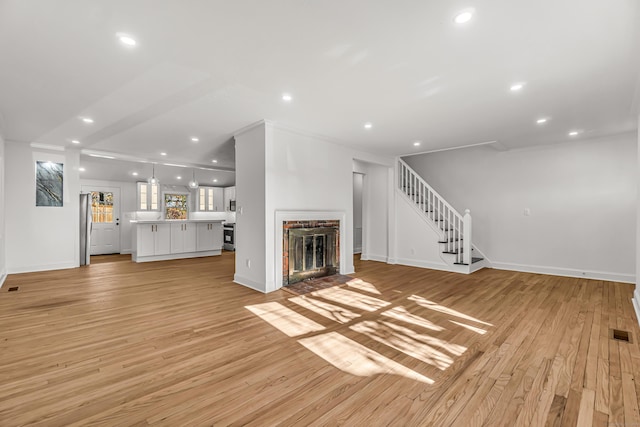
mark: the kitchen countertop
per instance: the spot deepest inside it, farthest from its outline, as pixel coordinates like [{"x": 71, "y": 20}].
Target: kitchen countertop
[{"x": 157, "y": 221}]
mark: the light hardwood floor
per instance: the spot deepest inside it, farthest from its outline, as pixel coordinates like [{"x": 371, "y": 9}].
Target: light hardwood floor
[{"x": 177, "y": 343}]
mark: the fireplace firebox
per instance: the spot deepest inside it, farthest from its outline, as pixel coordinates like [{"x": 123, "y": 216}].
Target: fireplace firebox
[{"x": 311, "y": 249}]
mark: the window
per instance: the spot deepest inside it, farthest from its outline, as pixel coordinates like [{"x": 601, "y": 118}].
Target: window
[
  {"x": 205, "y": 199},
  {"x": 175, "y": 206},
  {"x": 102, "y": 206},
  {"x": 148, "y": 197}
]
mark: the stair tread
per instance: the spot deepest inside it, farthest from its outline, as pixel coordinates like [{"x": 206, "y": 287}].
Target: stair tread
[{"x": 473, "y": 261}]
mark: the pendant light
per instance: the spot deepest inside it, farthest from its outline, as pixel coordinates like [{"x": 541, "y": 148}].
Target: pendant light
[
  {"x": 153, "y": 180},
  {"x": 193, "y": 184}
]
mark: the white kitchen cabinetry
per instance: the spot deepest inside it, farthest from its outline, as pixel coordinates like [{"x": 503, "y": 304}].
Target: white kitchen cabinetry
[
  {"x": 153, "y": 239},
  {"x": 229, "y": 194},
  {"x": 210, "y": 199},
  {"x": 162, "y": 240},
  {"x": 148, "y": 197},
  {"x": 183, "y": 237},
  {"x": 209, "y": 236}
]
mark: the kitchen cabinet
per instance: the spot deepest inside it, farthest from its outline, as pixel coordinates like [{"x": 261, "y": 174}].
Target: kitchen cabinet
[
  {"x": 210, "y": 199},
  {"x": 148, "y": 197},
  {"x": 162, "y": 239},
  {"x": 229, "y": 195},
  {"x": 209, "y": 236},
  {"x": 183, "y": 237},
  {"x": 153, "y": 239}
]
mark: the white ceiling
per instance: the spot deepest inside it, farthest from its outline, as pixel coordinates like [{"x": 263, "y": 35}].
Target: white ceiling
[{"x": 208, "y": 68}]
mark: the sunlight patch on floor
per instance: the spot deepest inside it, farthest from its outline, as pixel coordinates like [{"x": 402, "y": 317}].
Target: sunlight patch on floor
[
  {"x": 330, "y": 311},
  {"x": 423, "y": 302},
  {"x": 469, "y": 327},
  {"x": 363, "y": 286},
  {"x": 284, "y": 319},
  {"x": 404, "y": 341},
  {"x": 402, "y": 314},
  {"x": 454, "y": 349},
  {"x": 356, "y": 359},
  {"x": 354, "y": 299}
]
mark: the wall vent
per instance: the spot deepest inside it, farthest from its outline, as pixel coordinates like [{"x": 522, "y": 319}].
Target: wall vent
[{"x": 13, "y": 289}]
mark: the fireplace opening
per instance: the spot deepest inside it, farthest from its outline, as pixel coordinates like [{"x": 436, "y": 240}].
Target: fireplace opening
[{"x": 311, "y": 250}]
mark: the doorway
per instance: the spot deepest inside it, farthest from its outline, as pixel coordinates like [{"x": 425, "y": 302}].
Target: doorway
[
  {"x": 358, "y": 186},
  {"x": 105, "y": 214}
]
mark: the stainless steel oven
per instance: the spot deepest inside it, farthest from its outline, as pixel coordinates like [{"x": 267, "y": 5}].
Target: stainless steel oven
[{"x": 229, "y": 235}]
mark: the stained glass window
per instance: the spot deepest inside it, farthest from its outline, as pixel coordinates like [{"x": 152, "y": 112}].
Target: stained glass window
[
  {"x": 175, "y": 206},
  {"x": 102, "y": 206}
]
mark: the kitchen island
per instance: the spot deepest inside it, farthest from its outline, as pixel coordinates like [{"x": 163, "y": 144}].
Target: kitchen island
[{"x": 157, "y": 240}]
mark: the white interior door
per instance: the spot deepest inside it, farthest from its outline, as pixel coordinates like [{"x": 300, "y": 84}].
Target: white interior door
[{"x": 105, "y": 212}]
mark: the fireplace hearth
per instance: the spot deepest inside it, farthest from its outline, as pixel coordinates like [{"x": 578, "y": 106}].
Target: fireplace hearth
[{"x": 310, "y": 249}]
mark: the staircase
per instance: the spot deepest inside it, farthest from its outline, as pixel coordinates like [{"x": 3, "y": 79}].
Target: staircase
[{"x": 453, "y": 229}]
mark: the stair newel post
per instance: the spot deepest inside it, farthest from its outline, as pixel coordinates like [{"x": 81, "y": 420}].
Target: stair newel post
[{"x": 466, "y": 239}]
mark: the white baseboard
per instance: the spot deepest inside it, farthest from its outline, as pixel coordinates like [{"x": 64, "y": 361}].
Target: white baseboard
[
  {"x": 422, "y": 264},
  {"x": 45, "y": 267},
  {"x": 252, "y": 284},
  {"x": 567, "y": 272},
  {"x": 3, "y": 277},
  {"x": 372, "y": 257},
  {"x": 126, "y": 251},
  {"x": 636, "y": 302}
]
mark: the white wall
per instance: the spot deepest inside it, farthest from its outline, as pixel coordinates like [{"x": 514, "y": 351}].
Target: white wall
[
  {"x": 298, "y": 172},
  {"x": 377, "y": 185},
  {"x": 636, "y": 294},
  {"x": 3, "y": 267},
  {"x": 417, "y": 239},
  {"x": 40, "y": 238},
  {"x": 250, "y": 208},
  {"x": 358, "y": 187},
  {"x": 581, "y": 194}
]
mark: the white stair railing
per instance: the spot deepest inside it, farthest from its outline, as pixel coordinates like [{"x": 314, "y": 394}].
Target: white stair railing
[{"x": 456, "y": 229}]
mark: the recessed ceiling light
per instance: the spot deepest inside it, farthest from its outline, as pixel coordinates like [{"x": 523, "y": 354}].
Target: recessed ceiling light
[
  {"x": 126, "y": 39},
  {"x": 541, "y": 121},
  {"x": 178, "y": 177},
  {"x": 195, "y": 139},
  {"x": 463, "y": 17},
  {"x": 75, "y": 141},
  {"x": 573, "y": 133},
  {"x": 81, "y": 169},
  {"x": 416, "y": 144},
  {"x": 215, "y": 180},
  {"x": 368, "y": 125},
  {"x": 163, "y": 154},
  {"x": 134, "y": 173},
  {"x": 516, "y": 87},
  {"x": 287, "y": 97},
  {"x": 214, "y": 161},
  {"x": 87, "y": 120}
]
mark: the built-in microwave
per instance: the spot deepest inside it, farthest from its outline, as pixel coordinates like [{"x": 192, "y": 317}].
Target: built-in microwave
[{"x": 232, "y": 205}]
